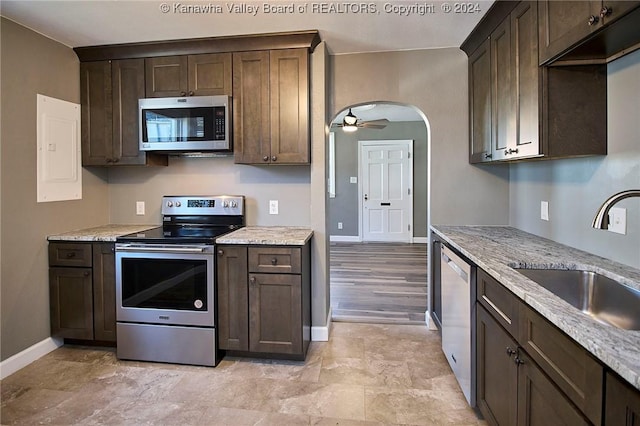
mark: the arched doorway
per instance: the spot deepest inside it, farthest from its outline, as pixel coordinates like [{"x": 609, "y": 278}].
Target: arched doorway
[{"x": 374, "y": 281}]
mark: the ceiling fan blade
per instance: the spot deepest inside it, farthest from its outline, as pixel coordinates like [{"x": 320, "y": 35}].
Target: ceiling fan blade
[
  {"x": 336, "y": 125},
  {"x": 372, "y": 126},
  {"x": 380, "y": 122}
]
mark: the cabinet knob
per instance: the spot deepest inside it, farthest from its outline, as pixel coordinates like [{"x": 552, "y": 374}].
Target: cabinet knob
[
  {"x": 220, "y": 252},
  {"x": 86, "y": 273},
  {"x": 191, "y": 93},
  {"x": 71, "y": 254},
  {"x": 518, "y": 361},
  {"x": 593, "y": 19},
  {"x": 274, "y": 158},
  {"x": 252, "y": 280},
  {"x": 510, "y": 351},
  {"x": 183, "y": 93},
  {"x": 605, "y": 11},
  {"x": 274, "y": 261},
  {"x": 265, "y": 158},
  {"x": 115, "y": 160}
]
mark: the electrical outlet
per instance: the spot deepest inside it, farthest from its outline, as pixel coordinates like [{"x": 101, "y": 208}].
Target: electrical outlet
[
  {"x": 339, "y": 225},
  {"x": 618, "y": 220},
  {"x": 273, "y": 206},
  {"x": 544, "y": 210},
  {"x": 140, "y": 208}
]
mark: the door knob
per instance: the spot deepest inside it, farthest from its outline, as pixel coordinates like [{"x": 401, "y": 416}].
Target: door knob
[{"x": 366, "y": 197}]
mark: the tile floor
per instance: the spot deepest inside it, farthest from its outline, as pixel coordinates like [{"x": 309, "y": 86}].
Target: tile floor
[{"x": 365, "y": 374}]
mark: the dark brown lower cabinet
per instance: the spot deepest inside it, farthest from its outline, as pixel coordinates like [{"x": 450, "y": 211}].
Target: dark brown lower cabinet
[
  {"x": 497, "y": 372},
  {"x": 82, "y": 291},
  {"x": 511, "y": 388},
  {"x": 622, "y": 403},
  {"x": 264, "y": 300}
]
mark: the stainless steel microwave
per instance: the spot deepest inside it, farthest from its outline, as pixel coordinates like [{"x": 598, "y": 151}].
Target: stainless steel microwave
[{"x": 187, "y": 124}]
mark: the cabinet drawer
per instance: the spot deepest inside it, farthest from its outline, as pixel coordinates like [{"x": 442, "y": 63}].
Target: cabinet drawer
[
  {"x": 568, "y": 365},
  {"x": 281, "y": 260},
  {"x": 70, "y": 254},
  {"x": 499, "y": 301}
]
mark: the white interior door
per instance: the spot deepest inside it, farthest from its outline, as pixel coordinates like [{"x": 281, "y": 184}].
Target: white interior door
[{"x": 386, "y": 177}]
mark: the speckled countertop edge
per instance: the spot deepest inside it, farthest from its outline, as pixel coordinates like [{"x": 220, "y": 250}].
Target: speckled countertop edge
[
  {"x": 268, "y": 235},
  {"x": 105, "y": 233},
  {"x": 496, "y": 249}
]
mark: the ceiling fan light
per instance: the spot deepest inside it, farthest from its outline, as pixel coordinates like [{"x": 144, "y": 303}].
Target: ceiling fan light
[
  {"x": 349, "y": 119},
  {"x": 349, "y": 128}
]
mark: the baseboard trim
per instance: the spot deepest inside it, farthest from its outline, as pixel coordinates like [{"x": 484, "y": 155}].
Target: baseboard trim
[
  {"x": 27, "y": 356},
  {"x": 420, "y": 240},
  {"x": 344, "y": 239},
  {"x": 321, "y": 333}
]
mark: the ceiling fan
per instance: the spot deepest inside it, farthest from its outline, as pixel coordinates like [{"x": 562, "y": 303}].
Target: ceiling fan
[{"x": 351, "y": 123}]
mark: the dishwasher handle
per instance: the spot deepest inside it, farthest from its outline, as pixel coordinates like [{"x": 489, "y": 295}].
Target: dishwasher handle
[{"x": 447, "y": 258}]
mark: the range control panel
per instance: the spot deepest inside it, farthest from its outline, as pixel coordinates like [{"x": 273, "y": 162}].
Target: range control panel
[{"x": 202, "y": 205}]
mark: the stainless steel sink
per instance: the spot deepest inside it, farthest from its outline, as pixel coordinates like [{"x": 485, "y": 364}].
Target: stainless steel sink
[{"x": 600, "y": 297}]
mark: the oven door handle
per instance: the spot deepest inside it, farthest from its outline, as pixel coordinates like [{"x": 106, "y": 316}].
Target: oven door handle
[{"x": 164, "y": 249}]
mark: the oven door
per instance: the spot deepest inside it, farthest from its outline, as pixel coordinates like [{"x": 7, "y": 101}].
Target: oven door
[{"x": 165, "y": 284}]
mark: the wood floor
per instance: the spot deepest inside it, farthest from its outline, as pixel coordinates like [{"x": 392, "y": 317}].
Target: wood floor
[{"x": 378, "y": 282}]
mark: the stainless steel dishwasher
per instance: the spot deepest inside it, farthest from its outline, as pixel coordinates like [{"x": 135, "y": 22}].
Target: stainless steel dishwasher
[{"x": 458, "y": 326}]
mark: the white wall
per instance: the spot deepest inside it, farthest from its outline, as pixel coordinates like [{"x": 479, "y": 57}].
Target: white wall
[{"x": 575, "y": 188}]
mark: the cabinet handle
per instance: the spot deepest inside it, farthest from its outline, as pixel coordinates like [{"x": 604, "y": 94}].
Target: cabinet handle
[
  {"x": 183, "y": 93},
  {"x": 510, "y": 151},
  {"x": 518, "y": 361},
  {"x": 274, "y": 261},
  {"x": 220, "y": 252},
  {"x": 487, "y": 156},
  {"x": 510, "y": 351},
  {"x": 605, "y": 11},
  {"x": 274, "y": 158},
  {"x": 191, "y": 93},
  {"x": 265, "y": 158},
  {"x": 593, "y": 19}
]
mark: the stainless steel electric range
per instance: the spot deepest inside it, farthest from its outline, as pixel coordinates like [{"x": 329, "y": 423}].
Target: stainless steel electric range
[{"x": 165, "y": 281}]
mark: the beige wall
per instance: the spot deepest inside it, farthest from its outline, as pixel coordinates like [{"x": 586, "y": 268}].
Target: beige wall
[
  {"x": 434, "y": 81},
  {"x": 33, "y": 64}
]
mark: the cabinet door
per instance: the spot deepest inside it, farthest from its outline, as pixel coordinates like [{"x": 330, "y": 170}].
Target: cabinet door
[
  {"x": 527, "y": 79},
  {"x": 540, "y": 402},
  {"x": 480, "y": 104},
  {"x": 503, "y": 130},
  {"x": 233, "y": 298},
  {"x": 622, "y": 406},
  {"x": 210, "y": 74},
  {"x": 96, "y": 113},
  {"x": 436, "y": 284},
  {"x": 562, "y": 24},
  {"x": 567, "y": 364},
  {"x": 275, "y": 313},
  {"x": 71, "y": 303},
  {"x": 251, "y": 117},
  {"x": 128, "y": 87},
  {"x": 289, "y": 91},
  {"x": 497, "y": 371},
  {"x": 104, "y": 292},
  {"x": 166, "y": 76}
]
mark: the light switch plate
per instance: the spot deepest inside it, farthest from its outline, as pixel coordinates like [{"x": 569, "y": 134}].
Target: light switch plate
[
  {"x": 544, "y": 210},
  {"x": 618, "y": 220},
  {"x": 353, "y": 179}
]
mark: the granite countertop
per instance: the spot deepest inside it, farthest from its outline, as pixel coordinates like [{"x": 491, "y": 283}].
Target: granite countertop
[
  {"x": 496, "y": 249},
  {"x": 268, "y": 235},
  {"x": 106, "y": 233}
]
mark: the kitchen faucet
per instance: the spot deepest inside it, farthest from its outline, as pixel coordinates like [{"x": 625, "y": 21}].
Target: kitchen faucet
[{"x": 601, "y": 221}]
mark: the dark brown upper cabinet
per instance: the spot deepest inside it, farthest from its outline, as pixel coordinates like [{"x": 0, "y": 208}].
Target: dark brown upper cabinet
[
  {"x": 519, "y": 110},
  {"x": 109, "y": 93},
  {"x": 581, "y": 30},
  {"x": 188, "y": 75},
  {"x": 271, "y": 107}
]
